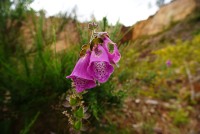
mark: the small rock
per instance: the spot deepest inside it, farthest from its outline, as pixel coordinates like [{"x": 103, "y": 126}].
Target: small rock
[
  {"x": 151, "y": 102},
  {"x": 139, "y": 125},
  {"x": 137, "y": 101},
  {"x": 152, "y": 110}
]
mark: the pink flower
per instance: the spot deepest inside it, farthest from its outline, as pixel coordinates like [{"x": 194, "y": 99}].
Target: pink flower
[
  {"x": 114, "y": 56},
  {"x": 81, "y": 78},
  {"x": 99, "y": 66},
  {"x": 168, "y": 63},
  {"x": 95, "y": 65}
]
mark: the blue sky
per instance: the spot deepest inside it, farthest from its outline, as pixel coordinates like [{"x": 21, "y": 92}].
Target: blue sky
[{"x": 128, "y": 12}]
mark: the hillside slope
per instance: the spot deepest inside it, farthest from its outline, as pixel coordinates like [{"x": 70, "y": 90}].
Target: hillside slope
[
  {"x": 160, "y": 73},
  {"x": 173, "y": 12}
]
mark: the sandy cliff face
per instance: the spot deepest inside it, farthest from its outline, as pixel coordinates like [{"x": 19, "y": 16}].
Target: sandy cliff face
[
  {"x": 175, "y": 11},
  {"x": 68, "y": 35}
]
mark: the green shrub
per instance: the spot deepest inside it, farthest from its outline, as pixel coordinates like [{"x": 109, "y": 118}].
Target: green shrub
[
  {"x": 179, "y": 117},
  {"x": 35, "y": 78}
]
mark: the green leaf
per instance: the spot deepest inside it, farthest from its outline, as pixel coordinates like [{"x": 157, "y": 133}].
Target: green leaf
[
  {"x": 73, "y": 101},
  {"x": 79, "y": 113},
  {"x": 28, "y": 127},
  {"x": 78, "y": 125}
]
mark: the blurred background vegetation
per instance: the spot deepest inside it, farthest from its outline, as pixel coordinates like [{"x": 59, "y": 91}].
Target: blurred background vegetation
[
  {"x": 32, "y": 80},
  {"x": 155, "y": 90}
]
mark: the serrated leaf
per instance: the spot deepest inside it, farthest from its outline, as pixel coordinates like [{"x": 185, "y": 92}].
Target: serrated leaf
[
  {"x": 78, "y": 125},
  {"x": 94, "y": 42},
  {"x": 79, "y": 113}
]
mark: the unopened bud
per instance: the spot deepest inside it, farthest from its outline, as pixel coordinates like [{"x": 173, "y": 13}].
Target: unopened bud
[{"x": 92, "y": 26}]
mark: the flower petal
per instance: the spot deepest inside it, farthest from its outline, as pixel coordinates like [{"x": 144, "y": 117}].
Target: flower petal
[
  {"x": 81, "y": 78},
  {"x": 114, "y": 56},
  {"x": 100, "y": 67}
]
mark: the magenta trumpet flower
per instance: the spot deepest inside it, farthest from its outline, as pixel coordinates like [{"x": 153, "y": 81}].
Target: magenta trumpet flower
[
  {"x": 99, "y": 67},
  {"x": 81, "y": 78},
  {"x": 114, "y": 56},
  {"x": 96, "y": 64}
]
